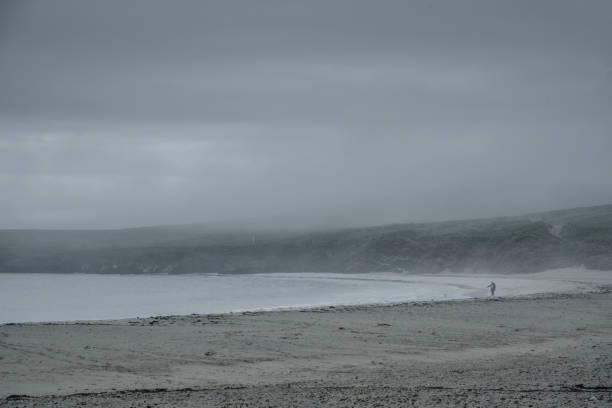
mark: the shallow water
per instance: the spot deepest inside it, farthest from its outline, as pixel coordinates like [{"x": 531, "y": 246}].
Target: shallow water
[{"x": 61, "y": 297}]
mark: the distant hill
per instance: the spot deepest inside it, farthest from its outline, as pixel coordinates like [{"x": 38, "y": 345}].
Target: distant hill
[{"x": 528, "y": 243}]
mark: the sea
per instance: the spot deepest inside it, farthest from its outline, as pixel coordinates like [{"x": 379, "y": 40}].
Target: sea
[{"x": 50, "y": 297}]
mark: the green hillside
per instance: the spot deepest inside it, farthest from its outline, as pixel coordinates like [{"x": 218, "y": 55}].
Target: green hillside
[{"x": 528, "y": 243}]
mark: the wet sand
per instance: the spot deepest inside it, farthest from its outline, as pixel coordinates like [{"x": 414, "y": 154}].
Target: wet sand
[{"x": 538, "y": 350}]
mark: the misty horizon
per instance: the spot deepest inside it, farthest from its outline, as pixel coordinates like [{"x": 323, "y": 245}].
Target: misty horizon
[{"x": 273, "y": 224}]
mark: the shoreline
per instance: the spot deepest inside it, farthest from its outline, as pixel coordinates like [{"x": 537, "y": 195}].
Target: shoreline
[
  {"x": 595, "y": 289},
  {"x": 449, "y": 287}
]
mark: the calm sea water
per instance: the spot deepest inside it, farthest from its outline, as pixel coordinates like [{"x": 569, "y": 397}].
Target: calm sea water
[{"x": 60, "y": 297}]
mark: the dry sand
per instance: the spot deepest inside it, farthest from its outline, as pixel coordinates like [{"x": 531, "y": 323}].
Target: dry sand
[{"x": 538, "y": 350}]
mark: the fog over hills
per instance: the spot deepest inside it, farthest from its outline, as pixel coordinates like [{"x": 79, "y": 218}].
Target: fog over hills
[{"x": 523, "y": 244}]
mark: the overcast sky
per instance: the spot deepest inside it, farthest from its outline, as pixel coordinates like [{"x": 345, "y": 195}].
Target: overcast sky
[{"x": 301, "y": 113}]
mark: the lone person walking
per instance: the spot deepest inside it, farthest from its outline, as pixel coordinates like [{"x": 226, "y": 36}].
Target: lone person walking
[{"x": 492, "y": 286}]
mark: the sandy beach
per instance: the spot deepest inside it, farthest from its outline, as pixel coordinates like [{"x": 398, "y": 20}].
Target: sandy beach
[{"x": 535, "y": 350}]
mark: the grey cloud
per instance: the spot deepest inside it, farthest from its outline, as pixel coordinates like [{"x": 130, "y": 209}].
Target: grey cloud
[{"x": 305, "y": 113}]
